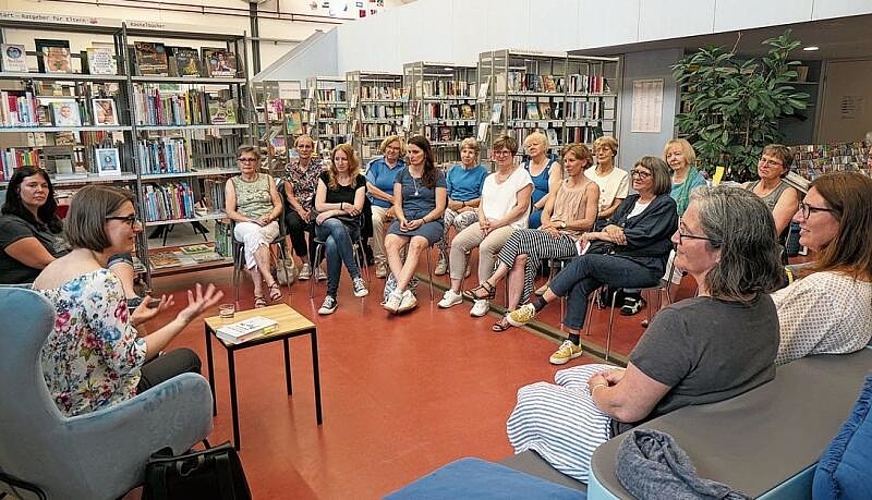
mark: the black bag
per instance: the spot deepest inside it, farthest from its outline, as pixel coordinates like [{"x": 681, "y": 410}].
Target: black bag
[
  {"x": 601, "y": 247},
  {"x": 215, "y": 473}
]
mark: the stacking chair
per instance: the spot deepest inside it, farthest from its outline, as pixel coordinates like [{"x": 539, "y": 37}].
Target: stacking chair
[
  {"x": 356, "y": 247},
  {"x": 239, "y": 258}
]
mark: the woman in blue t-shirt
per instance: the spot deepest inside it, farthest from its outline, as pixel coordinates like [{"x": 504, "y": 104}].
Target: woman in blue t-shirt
[
  {"x": 545, "y": 172},
  {"x": 380, "y": 177}
]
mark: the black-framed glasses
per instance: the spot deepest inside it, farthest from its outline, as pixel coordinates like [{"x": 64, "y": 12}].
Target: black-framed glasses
[
  {"x": 247, "y": 160},
  {"x": 682, "y": 235},
  {"x": 642, "y": 174},
  {"x": 806, "y": 210},
  {"x": 129, "y": 219}
]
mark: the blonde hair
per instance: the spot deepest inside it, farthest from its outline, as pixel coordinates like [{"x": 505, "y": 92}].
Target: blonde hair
[
  {"x": 471, "y": 143},
  {"x": 537, "y": 137},
  {"x": 390, "y": 139},
  {"x": 608, "y": 142},
  {"x": 686, "y": 150}
]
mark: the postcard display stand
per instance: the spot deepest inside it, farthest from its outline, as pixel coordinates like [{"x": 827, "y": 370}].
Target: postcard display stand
[
  {"x": 569, "y": 98},
  {"x": 170, "y": 139},
  {"x": 278, "y": 119},
  {"x": 375, "y": 108},
  {"x": 327, "y": 106},
  {"x": 442, "y": 105}
]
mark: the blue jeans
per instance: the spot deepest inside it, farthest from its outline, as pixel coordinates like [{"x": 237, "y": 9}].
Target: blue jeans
[
  {"x": 587, "y": 273},
  {"x": 338, "y": 240}
]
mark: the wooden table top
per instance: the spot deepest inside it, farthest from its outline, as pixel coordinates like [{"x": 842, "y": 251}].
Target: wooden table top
[{"x": 290, "y": 321}]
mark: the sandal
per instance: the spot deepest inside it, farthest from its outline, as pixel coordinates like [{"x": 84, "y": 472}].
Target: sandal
[
  {"x": 489, "y": 290},
  {"x": 259, "y": 302},
  {"x": 275, "y": 291},
  {"x": 501, "y": 325}
]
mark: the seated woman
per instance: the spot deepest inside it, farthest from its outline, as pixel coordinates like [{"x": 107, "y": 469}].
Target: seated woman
[
  {"x": 31, "y": 234},
  {"x": 464, "y": 183},
  {"x": 339, "y": 202},
  {"x": 380, "y": 176},
  {"x": 545, "y": 173},
  {"x": 301, "y": 180},
  {"x": 505, "y": 203},
  {"x": 701, "y": 350},
  {"x": 829, "y": 310},
  {"x": 614, "y": 182},
  {"x": 781, "y": 199},
  {"x": 567, "y": 215},
  {"x": 254, "y": 204},
  {"x": 636, "y": 244},
  {"x": 419, "y": 202},
  {"x": 94, "y": 357}
]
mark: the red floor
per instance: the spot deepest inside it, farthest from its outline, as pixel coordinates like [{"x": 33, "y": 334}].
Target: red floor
[{"x": 401, "y": 395}]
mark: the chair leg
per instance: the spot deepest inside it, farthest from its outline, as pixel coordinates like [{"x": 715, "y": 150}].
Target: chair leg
[
  {"x": 430, "y": 272},
  {"x": 313, "y": 279},
  {"x": 590, "y": 306},
  {"x": 611, "y": 324}
]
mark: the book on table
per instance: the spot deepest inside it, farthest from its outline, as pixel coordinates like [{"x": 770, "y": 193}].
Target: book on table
[{"x": 247, "y": 329}]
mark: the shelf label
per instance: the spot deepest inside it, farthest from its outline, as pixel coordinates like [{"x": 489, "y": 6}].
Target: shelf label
[{"x": 40, "y": 17}]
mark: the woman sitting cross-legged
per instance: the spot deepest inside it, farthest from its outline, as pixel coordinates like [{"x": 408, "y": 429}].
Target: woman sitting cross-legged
[
  {"x": 464, "y": 183},
  {"x": 94, "y": 357},
  {"x": 701, "y": 350},
  {"x": 419, "y": 202},
  {"x": 254, "y": 204},
  {"x": 567, "y": 215},
  {"x": 505, "y": 203},
  {"x": 339, "y": 202},
  {"x": 635, "y": 243},
  {"x": 829, "y": 310}
]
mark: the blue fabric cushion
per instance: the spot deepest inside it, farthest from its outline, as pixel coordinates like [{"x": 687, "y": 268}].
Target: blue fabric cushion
[
  {"x": 844, "y": 468},
  {"x": 473, "y": 478}
]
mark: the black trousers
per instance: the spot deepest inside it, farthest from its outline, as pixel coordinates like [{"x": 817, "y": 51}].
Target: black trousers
[
  {"x": 167, "y": 366},
  {"x": 299, "y": 231}
]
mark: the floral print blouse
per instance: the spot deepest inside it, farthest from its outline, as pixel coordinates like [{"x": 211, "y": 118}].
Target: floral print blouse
[
  {"x": 92, "y": 357},
  {"x": 305, "y": 182}
]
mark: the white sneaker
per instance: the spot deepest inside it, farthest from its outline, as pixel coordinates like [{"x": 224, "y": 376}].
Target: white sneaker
[
  {"x": 408, "y": 303},
  {"x": 359, "y": 286},
  {"x": 320, "y": 275},
  {"x": 479, "y": 308},
  {"x": 329, "y": 306},
  {"x": 305, "y": 272},
  {"x": 393, "y": 301},
  {"x": 450, "y": 298}
]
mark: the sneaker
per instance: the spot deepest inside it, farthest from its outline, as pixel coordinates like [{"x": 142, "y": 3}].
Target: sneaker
[
  {"x": 359, "y": 287},
  {"x": 522, "y": 315},
  {"x": 441, "y": 267},
  {"x": 479, "y": 308},
  {"x": 305, "y": 272},
  {"x": 329, "y": 306},
  {"x": 408, "y": 303},
  {"x": 450, "y": 298},
  {"x": 567, "y": 351},
  {"x": 381, "y": 270},
  {"x": 393, "y": 301},
  {"x": 320, "y": 275},
  {"x": 632, "y": 306}
]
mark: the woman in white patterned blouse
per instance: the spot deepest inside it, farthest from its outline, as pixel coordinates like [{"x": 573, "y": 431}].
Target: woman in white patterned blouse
[{"x": 829, "y": 310}]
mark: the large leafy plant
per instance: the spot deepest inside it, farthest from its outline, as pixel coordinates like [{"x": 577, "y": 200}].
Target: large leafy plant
[{"x": 731, "y": 106}]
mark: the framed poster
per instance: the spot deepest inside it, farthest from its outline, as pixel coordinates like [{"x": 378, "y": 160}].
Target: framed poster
[{"x": 108, "y": 161}]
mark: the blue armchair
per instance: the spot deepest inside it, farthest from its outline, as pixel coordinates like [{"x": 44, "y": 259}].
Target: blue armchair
[{"x": 100, "y": 455}]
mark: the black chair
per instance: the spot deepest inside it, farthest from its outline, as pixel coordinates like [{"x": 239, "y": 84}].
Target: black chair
[{"x": 239, "y": 258}]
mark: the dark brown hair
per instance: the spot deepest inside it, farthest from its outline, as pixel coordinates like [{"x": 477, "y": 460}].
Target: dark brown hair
[
  {"x": 429, "y": 176},
  {"x": 849, "y": 195},
  {"x": 86, "y": 220}
]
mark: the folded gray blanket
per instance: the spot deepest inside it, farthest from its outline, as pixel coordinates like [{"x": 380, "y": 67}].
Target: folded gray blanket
[{"x": 651, "y": 465}]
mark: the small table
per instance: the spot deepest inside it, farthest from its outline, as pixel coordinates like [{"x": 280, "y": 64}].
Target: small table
[{"x": 291, "y": 324}]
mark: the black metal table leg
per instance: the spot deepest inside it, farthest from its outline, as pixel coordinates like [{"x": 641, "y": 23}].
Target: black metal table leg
[
  {"x": 234, "y": 407},
  {"x": 211, "y": 370},
  {"x": 288, "y": 366},
  {"x": 317, "y": 375}
]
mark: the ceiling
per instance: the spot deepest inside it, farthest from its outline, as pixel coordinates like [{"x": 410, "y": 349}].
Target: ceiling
[{"x": 840, "y": 38}]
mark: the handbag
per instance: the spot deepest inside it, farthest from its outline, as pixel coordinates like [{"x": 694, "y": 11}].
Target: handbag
[
  {"x": 214, "y": 473},
  {"x": 601, "y": 247}
]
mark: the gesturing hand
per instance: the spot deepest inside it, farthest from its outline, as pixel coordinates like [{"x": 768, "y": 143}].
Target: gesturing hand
[
  {"x": 143, "y": 313},
  {"x": 199, "y": 300}
]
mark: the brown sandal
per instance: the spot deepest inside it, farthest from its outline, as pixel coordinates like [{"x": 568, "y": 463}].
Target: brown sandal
[
  {"x": 489, "y": 290},
  {"x": 275, "y": 291},
  {"x": 259, "y": 302},
  {"x": 501, "y": 325}
]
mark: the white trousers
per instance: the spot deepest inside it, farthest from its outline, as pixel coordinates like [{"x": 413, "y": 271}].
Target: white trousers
[{"x": 252, "y": 236}]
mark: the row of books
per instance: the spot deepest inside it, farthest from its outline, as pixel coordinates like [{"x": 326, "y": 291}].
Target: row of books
[
  {"x": 330, "y": 95},
  {"x": 18, "y": 109},
  {"x": 155, "y": 58},
  {"x": 586, "y": 135},
  {"x": 172, "y": 200},
  {"x": 585, "y": 110},
  {"x": 380, "y": 111},
  {"x": 445, "y": 133},
  {"x": 535, "y": 110},
  {"x": 376, "y": 130},
  {"x": 448, "y": 88},
  {"x": 55, "y": 56},
  {"x": 332, "y": 113},
  {"x": 381, "y": 92},
  {"x": 520, "y": 81},
  {"x": 163, "y": 155},
  {"x": 22, "y": 109},
  {"x": 813, "y": 160},
  {"x": 224, "y": 238},
  {"x": 191, "y": 107},
  {"x": 213, "y": 194},
  {"x": 214, "y": 152},
  {"x": 590, "y": 84},
  {"x": 298, "y": 122},
  {"x": 440, "y": 111},
  {"x": 333, "y": 128},
  {"x": 13, "y": 158}
]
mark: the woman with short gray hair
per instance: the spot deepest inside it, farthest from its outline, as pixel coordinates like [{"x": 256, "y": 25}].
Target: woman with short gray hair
[{"x": 701, "y": 350}]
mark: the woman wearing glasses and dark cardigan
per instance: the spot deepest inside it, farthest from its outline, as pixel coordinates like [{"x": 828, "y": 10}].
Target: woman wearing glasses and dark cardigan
[{"x": 635, "y": 242}]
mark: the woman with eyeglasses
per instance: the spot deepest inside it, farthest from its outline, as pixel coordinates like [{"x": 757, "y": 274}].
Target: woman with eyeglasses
[
  {"x": 701, "y": 350},
  {"x": 95, "y": 357},
  {"x": 828, "y": 309},
  {"x": 300, "y": 183},
  {"x": 614, "y": 183},
  {"x": 630, "y": 252},
  {"x": 773, "y": 167},
  {"x": 254, "y": 205},
  {"x": 31, "y": 233},
  {"x": 380, "y": 177}
]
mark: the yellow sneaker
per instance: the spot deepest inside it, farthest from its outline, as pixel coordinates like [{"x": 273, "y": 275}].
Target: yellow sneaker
[
  {"x": 521, "y": 316},
  {"x": 567, "y": 351}
]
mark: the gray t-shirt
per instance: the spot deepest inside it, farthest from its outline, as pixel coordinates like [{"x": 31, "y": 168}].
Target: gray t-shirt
[
  {"x": 14, "y": 228},
  {"x": 707, "y": 350}
]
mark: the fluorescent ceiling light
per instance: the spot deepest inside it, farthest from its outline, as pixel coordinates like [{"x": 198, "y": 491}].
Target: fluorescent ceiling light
[{"x": 811, "y": 47}]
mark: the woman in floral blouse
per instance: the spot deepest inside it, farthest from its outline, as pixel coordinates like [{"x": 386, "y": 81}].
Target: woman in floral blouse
[
  {"x": 94, "y": 357},
  {"x": 301, "y": 180}
]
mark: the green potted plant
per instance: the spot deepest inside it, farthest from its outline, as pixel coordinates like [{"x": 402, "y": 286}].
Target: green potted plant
[{"x": 731, "y": 106}]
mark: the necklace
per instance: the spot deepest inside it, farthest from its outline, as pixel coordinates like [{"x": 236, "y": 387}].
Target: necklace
[{"x": 415, "y": 184}]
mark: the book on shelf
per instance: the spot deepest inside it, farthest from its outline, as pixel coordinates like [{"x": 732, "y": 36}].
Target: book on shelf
[
  {"x": 184, "y": 61},
  {"x": 196, "y": 248},
  {"x": 164, "y": 260},
  {"x": 53, "y": 56},
  {"x": 65, "y": 113},
  {"x": 151, "y": 58},
  {"x": 552, "y": 137},
  {"x": 108, "y": 161},
  {"x": 105, "y": 112},
  {"x": 481, "y": 136},
  {"x": 14, "y": 58},
  {"x": 222, "y": 111},
  {"x": 548, "y": 84},
  {"x": 295, "y": 123},
  {"x": 247, "y": 329},
  {"x": 466, "y": 112},
  {"x": 545, "y": 109},
  {"x": 482, "y": 92},
  {"x": 219, "y": 62},
  {"x": 497, "y": 112},
  {"x": 101, "y": 61},
  {"x": 532, "y": 111}
]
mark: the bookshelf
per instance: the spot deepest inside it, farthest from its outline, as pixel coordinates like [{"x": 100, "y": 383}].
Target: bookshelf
[
  {"x": 327, "y": 104},
  {"x": 132, "y": 109},
  {"x": 278, "y": 120},
  {"x": 442, "y": 105},
  {"x": 569, "y": 98},
  {"x": 375, "y": 109}
]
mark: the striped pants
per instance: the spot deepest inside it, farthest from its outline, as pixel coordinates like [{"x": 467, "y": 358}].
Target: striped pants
[
  {"x": 560, "y": 422},
  {"x": 537, "y": 245}
]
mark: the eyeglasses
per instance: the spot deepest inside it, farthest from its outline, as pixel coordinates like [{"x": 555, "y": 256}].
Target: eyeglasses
[
  {"x": 642, "y": 174},
  {"x": 682, "y": 235},
  {"x": 129, "y": 219},
  {"x": 246, "y": 160},
  {"x": 770, "y": 161},
  {"x": 502, "y": 152},
  {"x": 807, "y": 210}
]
